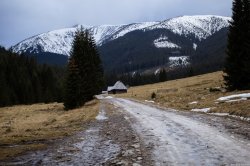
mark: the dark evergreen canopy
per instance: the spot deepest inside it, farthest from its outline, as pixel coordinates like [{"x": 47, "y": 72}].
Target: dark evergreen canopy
[
  {"x": 23, "y": 81},
  {"x": 237, "y": 67},
  {"x": 85, "y": 72}
]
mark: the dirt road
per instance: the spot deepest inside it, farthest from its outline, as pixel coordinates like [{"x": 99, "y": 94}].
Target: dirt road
[
  {"x": 178, "y": 139},
  {"x": 131, "y": 133}
]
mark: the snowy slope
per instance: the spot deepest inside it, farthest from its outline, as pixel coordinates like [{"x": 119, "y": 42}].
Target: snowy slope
[
  {"x": 59, "y": 41},
  {"x": 132, "y": 27},
  {"x": 202, "y": 26}
]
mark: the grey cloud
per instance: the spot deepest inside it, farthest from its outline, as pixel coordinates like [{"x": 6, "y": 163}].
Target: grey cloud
[{"x": 23, "y": 18}]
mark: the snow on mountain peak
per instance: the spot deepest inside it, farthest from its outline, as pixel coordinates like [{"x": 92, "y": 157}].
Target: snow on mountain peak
[
  {"x": 59, "y": 41},
  {"x": 132, "y": 27},
  {"x": 201, "y": 26}
]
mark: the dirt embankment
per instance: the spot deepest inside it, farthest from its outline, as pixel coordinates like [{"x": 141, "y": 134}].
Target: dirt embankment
[{"x": 32, "y": 127}]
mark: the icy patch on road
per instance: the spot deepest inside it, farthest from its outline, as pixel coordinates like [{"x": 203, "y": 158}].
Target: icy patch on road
[
  {"x": 234, "y": 98},
  {"x": 95, "y": 151},
  {"x": 101, "y": 115}
]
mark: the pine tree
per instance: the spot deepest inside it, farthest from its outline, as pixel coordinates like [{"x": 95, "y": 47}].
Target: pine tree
[
  {"x": 237, "y": 62},
  {"x": 89, "y": 71},
  {"x": 97, "y": 69},
  {"x": 72, "y": 86},
  {"x": 246, "y": 58},
  {"x": 162, "y": 75}
]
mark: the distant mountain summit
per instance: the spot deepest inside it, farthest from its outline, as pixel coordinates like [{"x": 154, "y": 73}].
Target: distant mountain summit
[
  {"x": 134, "y": 46},
  {"x": 59, "y": 41}
]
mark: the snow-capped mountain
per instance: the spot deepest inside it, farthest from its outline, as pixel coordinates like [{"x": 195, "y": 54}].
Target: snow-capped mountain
[{"x": 59, "y": 41}]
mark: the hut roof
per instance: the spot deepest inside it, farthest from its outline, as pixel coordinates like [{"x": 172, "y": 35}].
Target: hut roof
[{"x": 118, "y": 85}]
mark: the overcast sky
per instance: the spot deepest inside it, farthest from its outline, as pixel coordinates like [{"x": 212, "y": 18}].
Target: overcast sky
[{"x": 20, "y": 19}]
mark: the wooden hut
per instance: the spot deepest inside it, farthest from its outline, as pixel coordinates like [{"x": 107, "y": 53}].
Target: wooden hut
[{"x": 119, "y": 87}]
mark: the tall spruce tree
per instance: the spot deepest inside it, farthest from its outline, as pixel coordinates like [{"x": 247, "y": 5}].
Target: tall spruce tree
[
  {"x": 72, "y": 86},
  {"x": 89, "y": 71},
  {"x": 237, "y": 62},
  {"x": 162, "y": 75},
  {"x": 246, "y": 58}
]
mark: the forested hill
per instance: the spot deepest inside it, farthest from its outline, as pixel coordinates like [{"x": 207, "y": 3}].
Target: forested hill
[{"x": 23, "y": 81}]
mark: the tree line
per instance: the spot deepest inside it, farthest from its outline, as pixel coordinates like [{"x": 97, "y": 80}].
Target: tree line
[{"x": 23, "y": 81}]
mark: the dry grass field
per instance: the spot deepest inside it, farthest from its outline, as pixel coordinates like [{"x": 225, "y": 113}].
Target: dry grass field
[
  {"x": 203, "y": 89},
  {"x": 31, "y": 127}
]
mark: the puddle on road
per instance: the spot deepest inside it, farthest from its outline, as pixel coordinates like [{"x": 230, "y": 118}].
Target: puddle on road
[{"x": 101, "y": 115}]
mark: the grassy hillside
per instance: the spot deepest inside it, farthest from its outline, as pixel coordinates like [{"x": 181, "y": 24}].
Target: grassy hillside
[
  {"x": 30, "y": 127},
  {"x": 203, "y": 89}
]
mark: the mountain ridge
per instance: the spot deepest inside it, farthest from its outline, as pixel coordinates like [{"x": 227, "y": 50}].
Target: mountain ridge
[
  {"x": 136, "y": 46},
  {"x": 104, "y": 33}
]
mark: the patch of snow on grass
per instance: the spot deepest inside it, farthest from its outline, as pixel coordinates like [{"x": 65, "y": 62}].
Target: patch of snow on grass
[
  {"x": 150, "y": 101},
  {"x": 219, "y": 114},
  {"x": 230, "y": 101},
  {"x": 194, "y": 102},
  {"x": 109, "y": 97},
  {"x": 201, "y": 110},
  {"x": 233, "y": 98}
]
